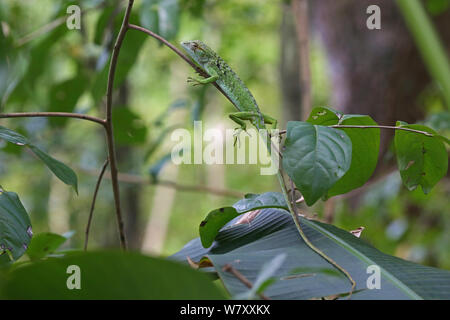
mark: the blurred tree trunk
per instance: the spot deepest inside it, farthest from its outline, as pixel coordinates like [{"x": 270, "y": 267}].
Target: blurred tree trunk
[
  {"x": 130, "y": 194},
  {"x": 374, "y": 72},
  {"x": 289, "y": 68}
]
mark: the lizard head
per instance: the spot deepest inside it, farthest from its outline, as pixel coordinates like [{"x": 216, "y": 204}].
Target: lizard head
[{"x": 198, "y": 51}]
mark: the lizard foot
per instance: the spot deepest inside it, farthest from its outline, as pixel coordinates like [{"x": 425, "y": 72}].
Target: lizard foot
[
  {"x": 236, "y": 135},
  {"x": 194, "y": 82}
]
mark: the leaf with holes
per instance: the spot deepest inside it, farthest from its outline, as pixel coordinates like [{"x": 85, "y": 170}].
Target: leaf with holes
[
  {"x": 324, "y": 116},
  {"x": 315, "y": 158},
  {"x": 15, "y": 226},
  {"x": 422, "y": 160},
  {"x": 43, "y": 244}
]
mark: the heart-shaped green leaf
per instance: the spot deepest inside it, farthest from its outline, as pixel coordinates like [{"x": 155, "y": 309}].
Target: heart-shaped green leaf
[
  {"x": 315, "y": 157},
  {"x": 365, "y": 148}
]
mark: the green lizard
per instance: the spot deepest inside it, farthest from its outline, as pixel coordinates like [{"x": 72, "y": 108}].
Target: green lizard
[{"x": 221, "y": 73}]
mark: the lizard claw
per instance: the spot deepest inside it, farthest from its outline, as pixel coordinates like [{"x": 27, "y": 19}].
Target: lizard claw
[
  {"x": 237, "y": 134},
  {"x": 194, "y": 82}
]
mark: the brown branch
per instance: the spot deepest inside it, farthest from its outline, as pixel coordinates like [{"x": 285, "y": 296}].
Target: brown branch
[
  {"x": 109, "y": 124},
  {"x": 229, "y": 268},
  {"x": 300, "y": 8},
  {"x": 91, "y": 212},
  {"x": 52, "y": 114},
  {"x": 179, "y": 53}
]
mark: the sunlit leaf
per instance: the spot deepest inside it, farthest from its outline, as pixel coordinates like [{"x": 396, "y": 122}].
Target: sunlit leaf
[
  {"x": 44, "y": 244},
  {"x": 304, "y": 274}
]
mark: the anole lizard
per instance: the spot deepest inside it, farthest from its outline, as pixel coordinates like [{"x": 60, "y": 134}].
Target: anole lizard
[{"x": 222, "y": 74}]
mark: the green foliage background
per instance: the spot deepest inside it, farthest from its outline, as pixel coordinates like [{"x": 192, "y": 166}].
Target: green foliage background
[{"x": 57, "y": 72}]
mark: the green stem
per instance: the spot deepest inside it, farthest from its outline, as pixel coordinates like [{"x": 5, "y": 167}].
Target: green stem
[
  {"x": 293, "y": 211},
  {"x": 294, "y": 214},
  {"x": 428, "y": 43}
]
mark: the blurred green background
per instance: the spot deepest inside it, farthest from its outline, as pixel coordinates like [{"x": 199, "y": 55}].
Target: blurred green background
[{"x": 65, "y": 70}]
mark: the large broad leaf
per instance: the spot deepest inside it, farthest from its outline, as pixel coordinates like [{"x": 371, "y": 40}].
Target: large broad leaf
[
  {"x": 15, "y": 226},
  {"x": 315, "y": 157},
  {"x": 63, "y": 172},
  {"x": 304, "y": 274},
  {"x": 216, "y": 219},
  {"x": 109, "y": 275},
  {"x": 422, "y": 160}
]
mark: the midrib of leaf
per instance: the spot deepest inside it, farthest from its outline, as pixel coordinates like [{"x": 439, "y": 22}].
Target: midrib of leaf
[{"x": 364, "y": 258}]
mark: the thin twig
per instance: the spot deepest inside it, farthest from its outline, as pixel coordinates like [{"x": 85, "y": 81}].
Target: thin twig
[
  {"x": 52, "y": 114},
  {"x": 309, "y": 243},
  {"x": 91, "y": 212},
  {"x": 109, "y": 124},
  {"x": 300, "y": 8},
  {"x": 428, "y": 134},
  {"x": 229, "y": 268}
]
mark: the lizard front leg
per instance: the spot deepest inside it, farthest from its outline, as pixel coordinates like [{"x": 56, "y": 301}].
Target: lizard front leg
[{"x": 212, "y": 78}]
